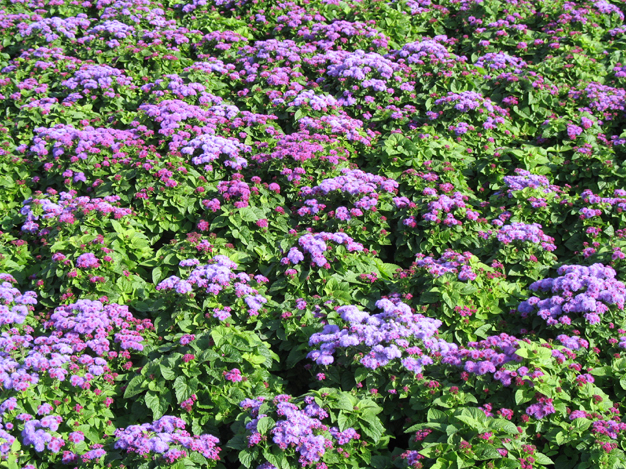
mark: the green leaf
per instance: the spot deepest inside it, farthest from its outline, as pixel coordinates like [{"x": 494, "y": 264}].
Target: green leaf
[
  {"x": 167, "y": 372},
  {"x": 504, "y": 425},
  {"x": 345, "y": 402},
  {"x": 581, "y": 424},
  {"x": 264, "y": 424},
  {"x": 157, "y": 275},
  {"x": 246, "y": 458},
  {"x": 361, "y": 374},
  {"x": 136, "y": 385},
  {"x": 523, "y": 395},
  {"x": 483, "y": 331},
  {"x": 601, "y": 371},
  {"x": 158, "y": 403},
  {"x": 247, "y": 214},
  {"x": 372, "y": 428},
  {"x": 435, "y": 415},
  {"x": 542, "y": 459},
  {"x": 181, "y": 388}
]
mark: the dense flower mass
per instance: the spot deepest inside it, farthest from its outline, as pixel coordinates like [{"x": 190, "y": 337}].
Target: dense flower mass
[
  {"x": 407, "y": 214},
  {"x": 590, "y": 291},
  {"x": 301, "y": 429},
  {"x": 387, "y": 336},
  {"x": 159, "y": 436}
]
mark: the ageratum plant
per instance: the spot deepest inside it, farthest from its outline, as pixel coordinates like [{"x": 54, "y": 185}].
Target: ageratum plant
[{"x": 312, "y": 234}]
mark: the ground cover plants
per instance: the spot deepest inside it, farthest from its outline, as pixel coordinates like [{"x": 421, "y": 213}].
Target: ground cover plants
[{"x": 317, "y": 234}]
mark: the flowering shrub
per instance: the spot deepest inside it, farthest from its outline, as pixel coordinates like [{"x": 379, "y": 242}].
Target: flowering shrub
[{"x": 312, "y": 234}]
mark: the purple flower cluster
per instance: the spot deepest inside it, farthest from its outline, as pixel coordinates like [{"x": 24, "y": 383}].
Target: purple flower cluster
[
  {"x": 470, "y": 101},
  {"x": 82, "y": 143},
  {"x": 13, "y": 304},
  {"x": 590, "y": 198},
  {"x": 524, "y": 232},
  {"x": 87, "y": 261},
  {"x": 445, "y": 204},
  {"x": 358, "y": 65},
  {"x": 92, "y": 318},
  {"x": 317, "y": 102},
  {"x": 590, "y": 291},
  {"x": 301, "y": 429},
  {"x": 97, "y": 77},
  {"x": 212, "y": 146},
  {"x": 52, "y": 28},
  {"x": 602, "y": 98},
  {"x": 338, "y": 124},
  {"x": 449, "y": 262},
  {"x": 353, "y": 182},
  {"x": 526, "y": 179},
  {"x": 487, "y": 356},
  {"x": 395, "y": 333},
  {"x": 215, "y": 277},
  {"x": 541, "y": 409},
  {"x": 34, "y": 434},
  {"x": 165, "y": 437},
  {"x": 65, "y": 209},
  {"x": 326, "y": 36},
  {"x": 65, "y": 356},
  {"x": 233, "y": 189},
  {"x": 111, "y": 31},
  {"x": 430, "y": 51},
  {"x": 315, "y": 245},
  {"x": 500, "y": 61}
]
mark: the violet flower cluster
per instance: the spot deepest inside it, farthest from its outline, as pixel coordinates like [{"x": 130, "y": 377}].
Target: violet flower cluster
[
  {"x": 215, "y": 277},
  {"x": 315, "y": 245},
  {"x": 338, "y": 124},
  {"x": 430, "y": 51},
  {"x": 166, "y": 439},
  {"x": 500, "y": 61},
  {"x": 301, "y": 429},
  {"x": 525, "y": 179},
  {"x": 449, "y": 262},
  {"x": 590, "y": 198},
  {"x": 77, "y": 350},
  {"x": 590, "y": 291},
  {"x": 52, "y": 28},
  {"x": 396, "y": 334},
  {"x": 66, "y": 208},
  {"x": 353, "y": 182},
  {"x": 487, "y": 357},
  {"x": 524, "y": 232},
  {"x": 212, "y": 146},
  {"x": 93, "y": 77}
]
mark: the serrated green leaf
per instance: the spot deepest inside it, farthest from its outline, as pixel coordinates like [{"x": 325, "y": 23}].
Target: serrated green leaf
[{"x": 264, "y": 424}]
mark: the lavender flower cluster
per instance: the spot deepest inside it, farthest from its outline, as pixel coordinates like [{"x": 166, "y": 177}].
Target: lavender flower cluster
[
  {"x": 77, "y": 350},
  {"x": 590, "y": 198},
  {"x": 395, "y": 333},
  {"x": 590, "y": 291},
  {"x": 315, "y": 245},
  {"x": 93, "y": 77},
  {"x": 430, "y": 51},
  {"x": 66, "y": 209},
  {"x": 488, "y": 356},
  {"x": 301, "y": 429},
  {"x": 449, "y": 262},
  {"x": 525, "y": 232},
  {"x": 164, "y": 438},
  {"x": 353, "y": 182},
  {"x": 215, "y": 277},
  {"x": 500, "y": 61},
  {"x": 212, "y": 146},
  {"x": 525, "y": 179}
]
